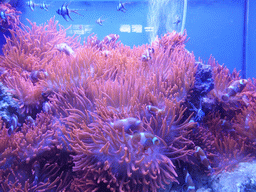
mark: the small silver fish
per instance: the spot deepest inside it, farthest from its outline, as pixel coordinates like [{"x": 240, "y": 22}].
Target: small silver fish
[
  {"x": 64, "y": 11},
  {"x": 44, "y": 6},
  {"x": 31, "y": 5},
  {"x": 100, "y": 21},
  {"x": 177, "y": 20},
  {"x": 121, "y": 7}
]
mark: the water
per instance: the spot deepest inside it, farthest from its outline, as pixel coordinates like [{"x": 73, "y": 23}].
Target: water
[{"x": 127, "y": 96}]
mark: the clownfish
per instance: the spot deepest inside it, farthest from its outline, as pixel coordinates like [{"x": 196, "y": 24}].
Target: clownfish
[
  {"x": 109, "y": 38},
  {"x": 190, "y": 185},
  {"x": 106, "y": 53},
  {"x": 129, "y": 124},
  {"x": 46, "y": 107},
  {"x": 147, "y": 140},
  {"x": 226, "y": 125},
  {"x": 37, "y": 75},
  {"x": 199, "y": 153},
  {"x": 13, "y": 124},
  {"x": 247, "y": 121},
  {"x": 63, "y": 47},
  {"x": 30, "y": 121},
  {"x": 154, "y": 110},
  {"x": 147, "y": 55},
  {"x": 36, "y": 172},
  {"x": 234, "y": 88}
]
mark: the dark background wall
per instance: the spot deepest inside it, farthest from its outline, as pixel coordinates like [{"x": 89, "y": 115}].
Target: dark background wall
[{"x": 214, "y": 26}]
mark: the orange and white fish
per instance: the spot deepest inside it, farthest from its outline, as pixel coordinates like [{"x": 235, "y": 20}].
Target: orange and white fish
[
  {"x": 63, "y": 47},
  {"x": 226, "y": 125},
  {"x": 247, "y": 121},
  {"x": 199, "y": 154},
  {"x": 234, "y": 88},
  {"x": 190, "y": 185},
  {"x": 36, "y": 172},
  {"x": 13, "y": 124},
  {"x": 109, "y": 38},
  {"x": 154, "y": 110},
  {"x": 106, "y": 53},
  {"x": 147, "y": 140},
  {"x": 46, "y": 107},
  {"x": 147, "y": 55},
  {"x": 129, "y": 124},
  {"x": 37, "y": 75}
]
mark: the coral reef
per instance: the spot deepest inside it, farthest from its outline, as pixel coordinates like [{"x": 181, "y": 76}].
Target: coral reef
[
  {"x": 241, "y": 179},
  {"x": 98, "y": 116}
]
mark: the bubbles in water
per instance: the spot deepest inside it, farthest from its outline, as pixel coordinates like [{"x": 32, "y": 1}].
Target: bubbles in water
[{"x": 165, "y": 16}]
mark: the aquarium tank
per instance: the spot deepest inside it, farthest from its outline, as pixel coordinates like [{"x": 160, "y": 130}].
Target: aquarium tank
[{"x": 127, "y": 96}]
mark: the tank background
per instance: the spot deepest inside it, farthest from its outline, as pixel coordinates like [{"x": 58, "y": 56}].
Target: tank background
[
  {"x": 213, "y": 26},
  {"x": 251, "y": 45}
]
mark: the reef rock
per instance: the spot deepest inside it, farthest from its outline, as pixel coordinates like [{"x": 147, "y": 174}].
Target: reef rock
[{"x": 242, "y": 179}]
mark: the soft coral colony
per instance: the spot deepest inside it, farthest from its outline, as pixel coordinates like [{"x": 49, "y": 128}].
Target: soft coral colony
[{"x": 104, "y": 117}]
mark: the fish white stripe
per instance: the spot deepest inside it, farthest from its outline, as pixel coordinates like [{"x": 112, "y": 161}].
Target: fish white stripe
[{"x": 142, "y": 138}]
